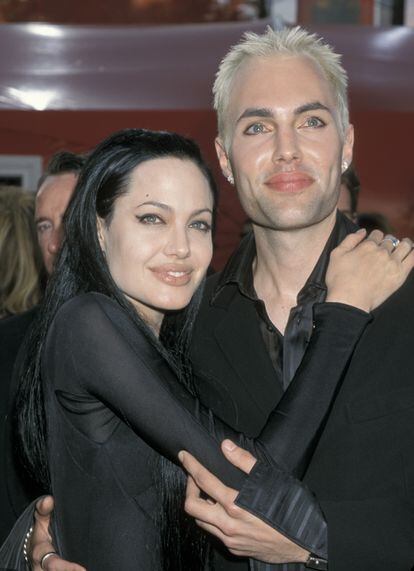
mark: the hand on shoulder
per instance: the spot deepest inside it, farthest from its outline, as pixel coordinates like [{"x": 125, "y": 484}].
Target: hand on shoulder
[{"x": 365, "y": 270}]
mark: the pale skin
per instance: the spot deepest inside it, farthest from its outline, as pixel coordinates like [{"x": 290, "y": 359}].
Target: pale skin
[{"x": 283, "y": 123}]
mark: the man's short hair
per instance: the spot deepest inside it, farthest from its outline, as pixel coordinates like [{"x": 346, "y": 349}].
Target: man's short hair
[
  {"x": 350, "y": 179},
  {"x": 62, "y": 162},
  {"x": 293, "y": 42}
]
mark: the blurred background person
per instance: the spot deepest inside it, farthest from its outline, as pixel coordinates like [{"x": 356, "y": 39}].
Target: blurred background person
[
  {"x": 55, "y": 189},
  {"x": 20, "y": 259},
  {"x": 348, "y": 204},
  {"x": 348, "y": 198},
  {"x": 374, "y": 221}
]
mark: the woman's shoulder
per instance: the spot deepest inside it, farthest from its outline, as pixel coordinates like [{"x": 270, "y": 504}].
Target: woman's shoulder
[{"x": 87, "y": 311}]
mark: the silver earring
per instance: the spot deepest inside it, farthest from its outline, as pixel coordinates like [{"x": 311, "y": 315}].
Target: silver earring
[
  {"x": 230, "y": 178},
  {"x": 344, "y": 166}
]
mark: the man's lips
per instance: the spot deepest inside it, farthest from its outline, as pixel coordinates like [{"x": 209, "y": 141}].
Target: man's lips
[
  {"x": 173, "y": 274},
  {"x": 289, "y": 181}
]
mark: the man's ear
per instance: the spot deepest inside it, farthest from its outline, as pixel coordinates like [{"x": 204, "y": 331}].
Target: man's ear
[
  {"x": 100, "y": 229},
  {"x": 223, "y": 158},
  {"x": 347, "y": 150}
]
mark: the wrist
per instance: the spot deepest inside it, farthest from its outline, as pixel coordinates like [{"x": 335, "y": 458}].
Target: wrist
[
  {"x": 315, "y": 562},
  {"x": 345, "y": 299}
]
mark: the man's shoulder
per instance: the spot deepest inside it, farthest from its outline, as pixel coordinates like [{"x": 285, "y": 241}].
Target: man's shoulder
[
  {"x": 210, "y": 286},
  {"x": 14, "y": 328}
]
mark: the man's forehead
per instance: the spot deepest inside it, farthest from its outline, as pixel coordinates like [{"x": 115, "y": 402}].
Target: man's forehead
[
  {"x": 278, "y": 80},
  {"x": 56, "y": 183},
  {"x": 55, "y": 192}
]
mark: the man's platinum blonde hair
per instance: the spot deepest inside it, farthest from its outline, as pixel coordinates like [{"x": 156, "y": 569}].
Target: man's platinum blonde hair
[{"x": 291, "y": 42}]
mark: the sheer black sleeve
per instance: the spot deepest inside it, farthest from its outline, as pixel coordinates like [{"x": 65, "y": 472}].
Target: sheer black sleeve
[{"x": 106, "y": 357}]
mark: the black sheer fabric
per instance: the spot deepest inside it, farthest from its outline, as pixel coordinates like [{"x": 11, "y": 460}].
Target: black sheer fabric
[{"x": 113, "y": 404}]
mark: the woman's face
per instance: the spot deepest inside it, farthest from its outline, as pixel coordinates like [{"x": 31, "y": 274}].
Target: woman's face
[{"x": 158, "y": 243}]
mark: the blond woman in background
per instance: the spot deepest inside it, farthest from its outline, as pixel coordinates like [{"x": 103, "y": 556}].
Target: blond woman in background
[{"x": 20, "y": 260}]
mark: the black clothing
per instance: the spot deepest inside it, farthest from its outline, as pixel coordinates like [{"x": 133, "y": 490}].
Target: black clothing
[
  {"x": 363, "y": 467},
  {"x": 113, "y": 405},
  {"x": 285, "y": 351},
  {"x": 16, "y": 491}
]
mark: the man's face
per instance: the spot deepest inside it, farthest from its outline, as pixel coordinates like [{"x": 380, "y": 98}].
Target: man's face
[
  {"x": 52, "y": 200},
  {"x": 286, "y": 149}
]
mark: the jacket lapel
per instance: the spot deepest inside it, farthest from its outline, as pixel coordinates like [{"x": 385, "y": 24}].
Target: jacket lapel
[{"x": 254, "y": 380}]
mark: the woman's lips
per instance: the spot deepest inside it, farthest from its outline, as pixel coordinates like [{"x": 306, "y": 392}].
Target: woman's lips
[
  {"x": 289, "y": 181},
  {"x": 173, "y": 275}
]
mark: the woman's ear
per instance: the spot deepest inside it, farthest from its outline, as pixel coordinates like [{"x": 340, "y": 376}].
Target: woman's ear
[{"x": 100, "y": 229}]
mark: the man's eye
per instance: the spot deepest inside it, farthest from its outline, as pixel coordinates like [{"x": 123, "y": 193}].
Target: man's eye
[
  {"x": 201, "y": 225},
  {"x": 150, "y": 219},
  {"x": 43, "y": 227},
  {"x": 256, "y": 129},
  {"x": 314, "y": 122}
]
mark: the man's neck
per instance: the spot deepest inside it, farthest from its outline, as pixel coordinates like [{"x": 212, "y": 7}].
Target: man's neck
[{"x": 284, "y": 261}]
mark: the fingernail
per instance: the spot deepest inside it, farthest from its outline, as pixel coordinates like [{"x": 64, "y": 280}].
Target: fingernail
[
  {"x": 181, "y": 456},
  {"x": 361, "y": 230},
  {"x": 229, "y": 445}
]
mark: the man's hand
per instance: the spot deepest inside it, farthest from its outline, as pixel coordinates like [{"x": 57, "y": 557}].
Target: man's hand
[
  {"x": 41, "y": 541},
  {"x": 241, "y": 532}
]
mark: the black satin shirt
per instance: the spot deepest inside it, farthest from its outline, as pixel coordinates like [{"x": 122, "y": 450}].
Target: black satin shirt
[{"x": 285, "y": 351}]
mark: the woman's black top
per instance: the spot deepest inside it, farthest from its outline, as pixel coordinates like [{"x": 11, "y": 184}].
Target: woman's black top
[{"x": 114, "y": 405}]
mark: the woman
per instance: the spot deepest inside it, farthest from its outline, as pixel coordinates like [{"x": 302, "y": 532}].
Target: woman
[
  {"x": 119, "y": 406},
  {"x": 20, "y": 260}
]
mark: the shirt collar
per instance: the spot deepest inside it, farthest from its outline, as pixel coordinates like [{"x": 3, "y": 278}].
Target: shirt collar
[{"x": 238, "y": 270}]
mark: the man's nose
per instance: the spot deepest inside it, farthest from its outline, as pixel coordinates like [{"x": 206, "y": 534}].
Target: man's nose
[
  {"x": 286, "y": 145},
  {"x": 55, "y": 241}
]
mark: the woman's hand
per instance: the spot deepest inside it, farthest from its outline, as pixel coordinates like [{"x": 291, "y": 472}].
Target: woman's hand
[
  {"x": 41, "y": 542},
  {"x": 365, "y": 272}
]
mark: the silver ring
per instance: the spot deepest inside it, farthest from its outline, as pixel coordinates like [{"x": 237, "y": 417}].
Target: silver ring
[
  {"x": 46, "y": 556},
  {"x": 394, "y": 241}
]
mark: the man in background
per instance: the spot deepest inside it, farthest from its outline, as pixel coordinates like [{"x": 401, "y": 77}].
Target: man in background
[
  {"x": 55, "y": 189},
  {"x": 349, "y": 193}
]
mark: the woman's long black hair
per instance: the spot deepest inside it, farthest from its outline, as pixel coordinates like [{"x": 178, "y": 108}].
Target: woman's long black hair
[{"x": 81, "y": 267}]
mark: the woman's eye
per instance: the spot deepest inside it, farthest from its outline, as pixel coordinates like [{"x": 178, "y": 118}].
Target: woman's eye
[
  {"x": 314, "y": 122},
  {"x": 256, "y": 129},
  {"x": 150, "y": 219},
  {"x": 201, "y": 225}
]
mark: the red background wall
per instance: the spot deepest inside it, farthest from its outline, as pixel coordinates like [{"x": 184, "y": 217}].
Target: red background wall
[{"x": 383, "y": 154}]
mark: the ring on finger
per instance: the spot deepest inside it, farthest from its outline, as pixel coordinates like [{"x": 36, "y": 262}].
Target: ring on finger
[
  {"x": 389, "y": 238},
  {"x": 45, "y": 557}
]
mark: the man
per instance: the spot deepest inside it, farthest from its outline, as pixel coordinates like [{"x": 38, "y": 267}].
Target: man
[
  {"x": 55, "y": 189},
  {"x": 349, "y": 193},
  {"x": 284, "y": 139}
]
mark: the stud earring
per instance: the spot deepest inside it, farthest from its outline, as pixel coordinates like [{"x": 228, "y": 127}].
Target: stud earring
[
  {"x": 230, "y": 178},
  {"x": 344, "y": 166}
]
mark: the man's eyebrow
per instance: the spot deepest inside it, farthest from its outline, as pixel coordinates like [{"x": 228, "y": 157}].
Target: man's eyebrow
[
  {"x": 255, "y": 112},
  {"x": 313, "y": 106},
  {"x": 266, "y": 112},
  {"x": 42, "y": 219}
]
